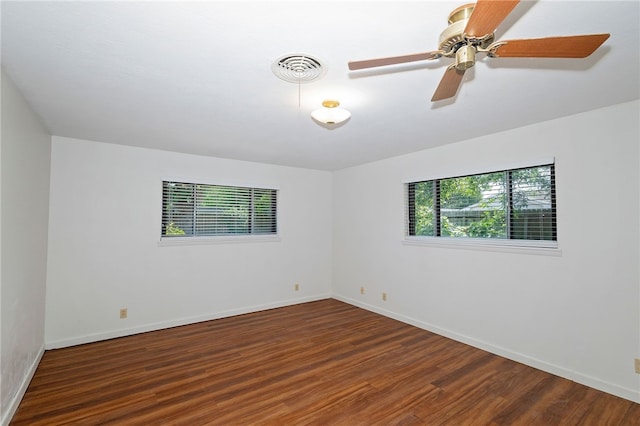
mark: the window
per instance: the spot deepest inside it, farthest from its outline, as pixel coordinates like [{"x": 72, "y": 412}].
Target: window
[
  {"x": 197, "y": 210},
  {"x": 518, "y": 204}
]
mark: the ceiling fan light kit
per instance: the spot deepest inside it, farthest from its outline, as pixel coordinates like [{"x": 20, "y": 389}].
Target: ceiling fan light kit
[
  {"x": 471, "y": 31},
  {"x": 465, "y": 57}
]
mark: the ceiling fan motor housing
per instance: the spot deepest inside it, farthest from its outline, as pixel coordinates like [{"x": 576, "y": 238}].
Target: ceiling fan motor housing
[{"x": 453, "y": 38}]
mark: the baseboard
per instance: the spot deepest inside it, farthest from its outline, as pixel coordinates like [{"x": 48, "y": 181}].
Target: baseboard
[
  {"x": 8, "y": 413},
  {"x": 90, "y": 338},
  {"x": 593, "y": 382}
]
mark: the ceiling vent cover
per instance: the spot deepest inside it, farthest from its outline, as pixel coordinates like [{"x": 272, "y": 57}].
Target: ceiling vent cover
[{"x": 298, "y": 68}]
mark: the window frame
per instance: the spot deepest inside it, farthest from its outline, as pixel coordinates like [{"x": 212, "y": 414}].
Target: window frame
[
  {"x": 224, "y": 238},
  {"x": 546, "y": 247}
]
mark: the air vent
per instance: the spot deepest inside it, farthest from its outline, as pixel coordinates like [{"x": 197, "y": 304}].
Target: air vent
[{"x": 298, "y": 68}]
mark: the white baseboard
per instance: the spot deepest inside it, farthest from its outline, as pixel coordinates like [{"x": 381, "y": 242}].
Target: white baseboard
[
  {"x": 90, "y": 338},
  {"x": 593, "y": 382},
  {"x": 8, "y": 413}
]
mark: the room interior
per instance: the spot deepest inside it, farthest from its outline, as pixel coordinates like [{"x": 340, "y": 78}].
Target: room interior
[{"x": 101, "y": 102}]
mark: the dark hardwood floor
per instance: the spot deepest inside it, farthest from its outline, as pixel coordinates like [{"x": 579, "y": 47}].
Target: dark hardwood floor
[{"x": 320, "y": 363}]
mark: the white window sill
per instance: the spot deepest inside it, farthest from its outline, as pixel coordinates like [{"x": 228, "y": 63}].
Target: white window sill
[
  {"x": 226, "y": 239},
  {"x": 543, "y": 248}
]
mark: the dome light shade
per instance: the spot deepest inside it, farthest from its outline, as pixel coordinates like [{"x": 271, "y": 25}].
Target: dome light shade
[{"x": 330, "y": 113}]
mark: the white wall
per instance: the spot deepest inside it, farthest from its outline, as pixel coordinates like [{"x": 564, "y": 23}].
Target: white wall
[
  {"x": 25, "y": 156},
  {"x": 105, "y": 221},
  {"x": 576, "y": 315}
]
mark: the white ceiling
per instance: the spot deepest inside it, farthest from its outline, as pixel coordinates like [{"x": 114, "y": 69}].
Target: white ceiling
[{"x": 195, "y": 77}]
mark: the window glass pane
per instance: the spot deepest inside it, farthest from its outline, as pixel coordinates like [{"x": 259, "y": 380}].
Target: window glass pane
[
  {"x": 533, "y": 213},
  {"x": 264, "y": 202},
  {"x": 474, "y": 206},
  {"x": 222, "y": 210},
  {"x": 177, "y": 209},
  {"x": 422, "y": 221}
]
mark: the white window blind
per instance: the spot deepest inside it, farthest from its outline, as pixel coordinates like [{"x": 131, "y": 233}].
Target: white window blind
[
  {"x": 517, "y": 204},
  {"x": 195, "y": 210}
]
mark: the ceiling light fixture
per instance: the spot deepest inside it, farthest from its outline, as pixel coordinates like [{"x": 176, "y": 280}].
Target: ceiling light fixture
[{"x": 330, "y": 114}]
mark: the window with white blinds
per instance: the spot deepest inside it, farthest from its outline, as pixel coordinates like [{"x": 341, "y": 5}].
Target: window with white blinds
[
  {"x": 517, "y": 204},
  {"x": 199, "y": 210}
]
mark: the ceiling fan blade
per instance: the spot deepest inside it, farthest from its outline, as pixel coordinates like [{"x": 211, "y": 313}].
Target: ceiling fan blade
[
  {"x": 579, "y": 46},
  {"x": 380, "y": 62},
  {"x": 449, "y": 84},
  {"x": 487, "y": 15}
]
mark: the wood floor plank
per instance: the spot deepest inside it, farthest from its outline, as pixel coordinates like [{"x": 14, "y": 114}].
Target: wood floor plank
[{"x": 318, "y": 363}]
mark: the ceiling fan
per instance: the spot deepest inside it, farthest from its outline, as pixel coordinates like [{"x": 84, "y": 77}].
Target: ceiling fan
[{"x": 471, "y": 31}]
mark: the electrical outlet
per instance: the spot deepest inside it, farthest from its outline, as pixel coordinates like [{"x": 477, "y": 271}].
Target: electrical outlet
[
  {"x": 296, "y": 287},
  {"x": 123, "y": 313},
  {"x": 637, "y": 362},
  {"x": 384, "y": 296},
  {"x": 361, "y": 290}
]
